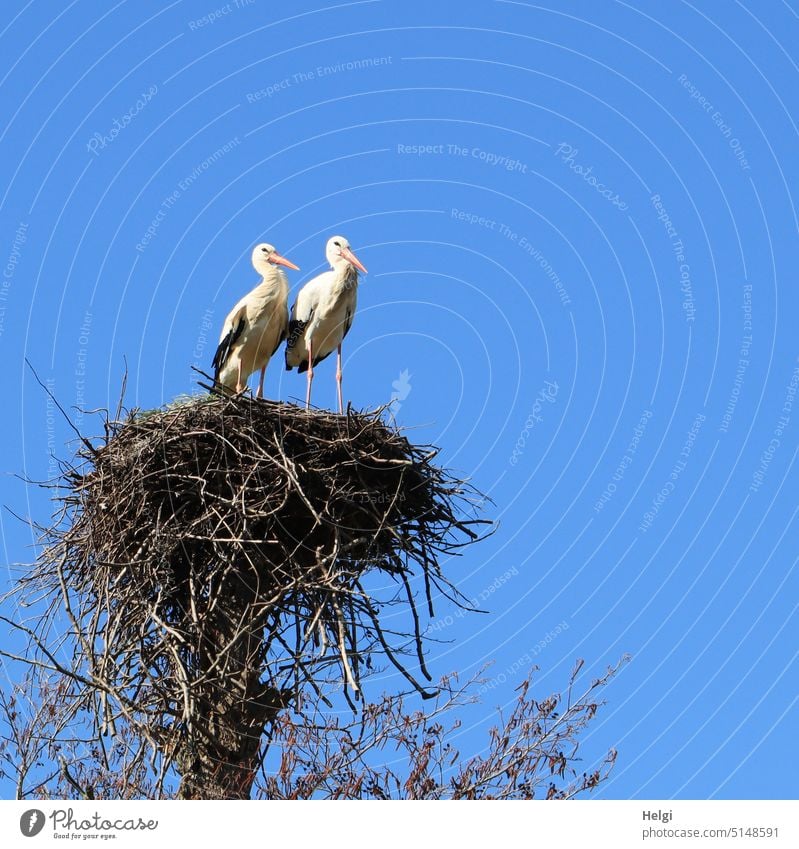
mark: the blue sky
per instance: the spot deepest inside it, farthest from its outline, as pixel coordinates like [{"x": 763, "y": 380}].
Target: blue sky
[{"x": 580, "y": 225}]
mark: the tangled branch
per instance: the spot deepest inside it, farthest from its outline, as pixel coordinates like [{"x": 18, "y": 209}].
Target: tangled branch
[{"x": 217, "y": 559}]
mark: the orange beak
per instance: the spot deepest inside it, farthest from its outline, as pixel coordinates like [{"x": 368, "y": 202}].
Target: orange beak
[
  {"x": 351, "y": 258},
  {"x": 275, "y": 258}
]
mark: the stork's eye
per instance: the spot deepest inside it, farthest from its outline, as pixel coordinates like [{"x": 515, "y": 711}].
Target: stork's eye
[
  {"x": 337, "y": 244},
  {"x": 263, "y": 249}
]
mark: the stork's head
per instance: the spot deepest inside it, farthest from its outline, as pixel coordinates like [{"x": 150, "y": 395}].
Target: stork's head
[
  {"x": 265, "y": 257},
  {"x": 338, "y": 251}
]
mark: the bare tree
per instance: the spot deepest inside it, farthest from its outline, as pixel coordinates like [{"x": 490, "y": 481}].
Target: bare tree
[
  {"x": 206, "y": 587},
  {"x": 388, "y": 750},
  {"x": 531, "y": 753}
]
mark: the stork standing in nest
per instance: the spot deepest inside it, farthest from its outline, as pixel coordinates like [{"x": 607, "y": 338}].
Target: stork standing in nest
[
  {"x": 256, "y": 326},
  {"x": 322, "y": 314}
]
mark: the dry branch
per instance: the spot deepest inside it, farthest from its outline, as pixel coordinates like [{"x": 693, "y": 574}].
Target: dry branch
[{"x": 216, "y": 559}]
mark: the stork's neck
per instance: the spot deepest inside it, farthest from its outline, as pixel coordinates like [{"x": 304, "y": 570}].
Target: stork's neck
[
  {"x": 271, "y": 275},
  {"x": 346, "y": 275}
]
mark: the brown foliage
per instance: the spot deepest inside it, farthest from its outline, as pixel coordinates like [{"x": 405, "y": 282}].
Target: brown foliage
[{"x": 389, "y": 752}]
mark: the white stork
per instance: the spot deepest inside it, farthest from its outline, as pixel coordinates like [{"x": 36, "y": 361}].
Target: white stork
[
  {"x": 322, "y": 314},
  {"x": 256, "y": 326}
]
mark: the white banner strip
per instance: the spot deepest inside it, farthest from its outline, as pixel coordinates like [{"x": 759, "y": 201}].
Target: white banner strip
[{"x": 387, "y": 825}]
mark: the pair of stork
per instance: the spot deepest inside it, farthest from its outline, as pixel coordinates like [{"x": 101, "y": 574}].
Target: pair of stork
[{"x": 320, "y": 319}]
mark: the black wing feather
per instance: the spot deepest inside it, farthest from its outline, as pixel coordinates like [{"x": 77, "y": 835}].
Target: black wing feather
[
  {"x": 303, "y": 366},
  {"x": 225, "y": 347},
  {"x": 296, "y": 329},
  {"x": 279, "y": 342},
  {"x": 347, "y": 323}
]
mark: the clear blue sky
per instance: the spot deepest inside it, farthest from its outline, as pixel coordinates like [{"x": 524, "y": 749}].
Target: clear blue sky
[{"x": 580, "y": 222}]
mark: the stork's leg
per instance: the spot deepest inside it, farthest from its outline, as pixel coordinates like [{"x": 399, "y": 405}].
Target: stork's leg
[
  {"x": 310, "y": 376},
  {"x": 239, "y": 387},
  {"x": 338, "y": 382},
  {"x": 261, "y": 383}
]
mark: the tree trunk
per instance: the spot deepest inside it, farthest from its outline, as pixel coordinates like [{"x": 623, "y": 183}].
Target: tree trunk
[{"x": 219, "y": 757}]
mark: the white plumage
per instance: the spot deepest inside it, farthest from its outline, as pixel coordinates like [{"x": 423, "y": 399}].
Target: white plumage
[
  {"x": 256, "y": 326},
  {"x": 322, "y": 314}
]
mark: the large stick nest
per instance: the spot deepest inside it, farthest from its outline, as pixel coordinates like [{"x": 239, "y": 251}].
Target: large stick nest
[{"x": 225, "y": 533}]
